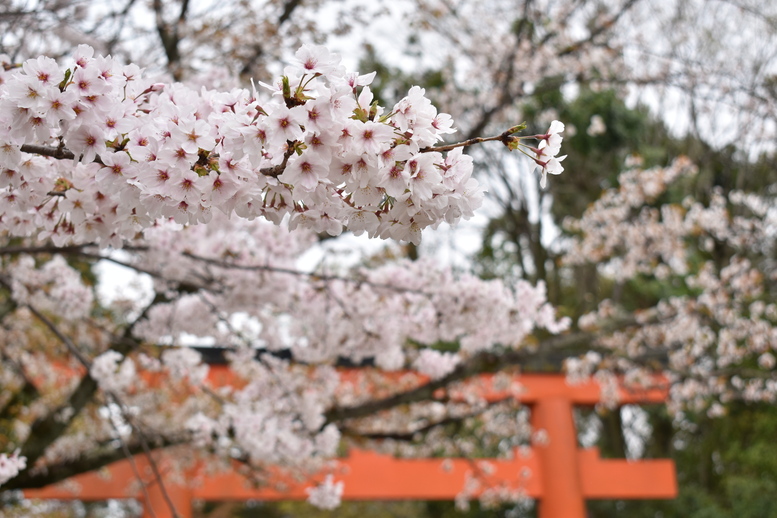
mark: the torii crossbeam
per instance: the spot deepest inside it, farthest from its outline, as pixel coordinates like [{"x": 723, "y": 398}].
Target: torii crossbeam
[{"x": 561, "y": 476}]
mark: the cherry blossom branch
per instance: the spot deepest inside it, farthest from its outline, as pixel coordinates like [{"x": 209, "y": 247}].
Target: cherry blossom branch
[
  {"x": 298, "y": 273},
  {"x": 116, "y": 400},
  {"x": 45, "y": 249},
  {"x": 133, "y": 465},
  {"x": 79, "y": 250},
  {"x": 60, "y": 152},
  {"x": 184, "y": 286},
  {"x": 146, "y": 450},
  {"x": 410, "y": 435},
  {"x": 277, "y": 170},
  {"x": 505, "y": 138},
  {"x": 53, "y": 152},
  {"x": 191, "y": 287},
  {"x": 46, "y": 429},
  {"x": 481, "y": 363},
  {"x": 86, "y": 462},
  {"x": 223, "y": 162},
  {"x": 71, "y": 347}
]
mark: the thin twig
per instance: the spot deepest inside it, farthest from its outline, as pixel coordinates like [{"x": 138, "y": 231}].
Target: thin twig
[
  {"x": 136, "y": 427},
  {"x": 299, "y": 273},
  {"x": 131, "y": 459},
  {"x": 146, "y": 451},
  {"x": 465, "y": 143},
  {"x": 407, "y": 436},
  {"x": 277, "y": 170},
  {"x": 82, "y": 359}
]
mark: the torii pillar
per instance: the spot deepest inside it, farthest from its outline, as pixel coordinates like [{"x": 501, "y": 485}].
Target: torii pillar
[{"x": 558, "y": 458}]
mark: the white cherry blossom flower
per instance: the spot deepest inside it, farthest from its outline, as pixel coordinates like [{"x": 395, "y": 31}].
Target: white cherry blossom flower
[
  {"x": 10, "y": 466},
  {"x": 552, "y": 166},
  {"x": 86, "y": 142},
  {"x": 551, "y": 141},
  {"x": 317, "y": 59},
  {"x": 326, "y": 495}
]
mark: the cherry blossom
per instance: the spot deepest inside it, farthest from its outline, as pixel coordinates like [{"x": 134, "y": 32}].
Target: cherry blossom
[
  {"x": 707, "y": 337},
  {"x": 202, "y": 188},
  {"x": 112, "y": 372},
  {"x": 435, "y": 364},
  {"x": 318, "y": 150},
  {"x": 10, "y": 466},
  {"x": 327, "y": 494},
  {"x": 548, "y": 148},
  {"x": 234, "y": 281}
]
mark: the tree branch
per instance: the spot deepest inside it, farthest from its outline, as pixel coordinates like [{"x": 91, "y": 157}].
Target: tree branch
[
  {"x": 481, "y": 363},
  {"x": 143, "y": 440},
  {"x": 288, "y": 9},
  {"x": 90, "y": 461},
  {"x": 60, "y": 153},
  {"x": 47, "y": 429},
  {"x": 607, "y": 24},
  {"x": 298, "y": 273},
  {"x": 44, "y": 249},
  {"x": 411, "y": 435}
]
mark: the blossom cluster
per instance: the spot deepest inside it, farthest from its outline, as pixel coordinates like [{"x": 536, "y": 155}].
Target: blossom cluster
[
  {"x": 609, "y": 227},
  {"x": 97, "y": 155},
  {"x": 371, "y": 313},
  {"x": 111, "y": 373},
  {"x": 10, "y": 465},
  {"x": 721, "y": 322},
  {"x": 435, "y": 364},
  {"x": 235, "y": 282},
  {"x": 547, "y": 152},
  {"x": 53, "y": 286},
  {"x": 276, "y": 419},
  {"x": 326, "y": 495},
  {"x": 317, "y": 148}
]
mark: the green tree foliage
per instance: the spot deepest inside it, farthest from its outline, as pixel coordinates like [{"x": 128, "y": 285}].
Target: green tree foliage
[{"x": 726, "y": 467}]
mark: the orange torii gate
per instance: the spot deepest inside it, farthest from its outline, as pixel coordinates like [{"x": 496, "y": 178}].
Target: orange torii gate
[{"x": 562, "y": 476}]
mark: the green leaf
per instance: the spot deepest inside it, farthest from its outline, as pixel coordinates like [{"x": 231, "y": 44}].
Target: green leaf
[
  {"x": 286, "y": 87},
  {"x": 64, "y": 83},
  {"x": 516, "y": 129}
]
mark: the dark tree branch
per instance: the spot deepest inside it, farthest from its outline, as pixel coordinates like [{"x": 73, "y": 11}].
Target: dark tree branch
[
  {"x": 60, "y": 153},
  {"x": 408, "y": 436},
  {"x": 299, "y": 273},
  {"x": 89, "y": 461},
  {"x": 288, "y": 9},
  {"x": 48, "y": 428},
  {"x": 278, "y": 170},
  {"x": 44, "y": 249},
  {"x": 71, "y": 347},
  {"x": 258, "y": 49},
  {"x": 604, "y": 26},
  {"x": 144, "y": 443},
  {"x": 131, "y": 459},
  {"x": 79, "y": 250},
  {"x": 506, "y": 94},
  {"x": 170, "y": 37},
  {"x": 481, "y": 363}
]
